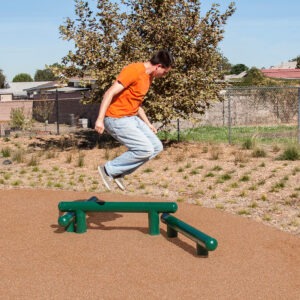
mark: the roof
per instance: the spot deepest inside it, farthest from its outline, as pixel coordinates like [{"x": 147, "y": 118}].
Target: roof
[
  {"x": 19, "y": 88},
  {"x": 235, "y": 76},
  {"x": 286, "y": 65},
  {"x": 45, "y": 86},
  {"x": 67, "y": 89},
  {"x": 282, "y": 73}
]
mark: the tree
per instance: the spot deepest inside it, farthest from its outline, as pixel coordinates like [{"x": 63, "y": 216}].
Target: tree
[
  {"x": 297, "y": 59},
  {"x": 44, "y": 75},
  {"x": 298, "y": 62},
  {"x": 2, "y": 80},
  {"x": 107, "y": 40},
  {"x": 22, "y": 77},
  {"x": 238, "y": 69},
  {"x": 224, "y": 64}
]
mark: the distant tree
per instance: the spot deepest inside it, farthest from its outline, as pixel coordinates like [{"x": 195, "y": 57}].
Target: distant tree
[
  {"x": 297, "y": 59},
  {"x": 2, "y": 79},
  {"x": 298, "y": 62},
  {"x": 255, "y": 77},
  {"x": 22, "y": 77},
  {"x": 224, "y": 64},
  {"x": 106, "y": 40},
  {"x": 44, "y": 75},
  {"x": 238, "y": 69}
]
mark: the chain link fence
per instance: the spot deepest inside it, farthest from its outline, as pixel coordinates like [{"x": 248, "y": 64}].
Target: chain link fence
[
  {"x": 264, "y": 113},
  {"x": 268, "y": 114}
]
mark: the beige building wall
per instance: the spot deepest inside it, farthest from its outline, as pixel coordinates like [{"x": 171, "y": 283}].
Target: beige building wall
[{"x": 6, "y": 97}]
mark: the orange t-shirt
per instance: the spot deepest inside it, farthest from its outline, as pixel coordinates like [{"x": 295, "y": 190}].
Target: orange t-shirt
[{"x": 136, "y": 83}]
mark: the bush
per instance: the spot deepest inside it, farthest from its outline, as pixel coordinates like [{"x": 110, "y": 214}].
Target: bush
[
  {"x": 292, "y": 152},
  {"x": 18, "y": 119}
]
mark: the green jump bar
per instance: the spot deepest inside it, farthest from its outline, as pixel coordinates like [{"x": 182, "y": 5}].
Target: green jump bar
[
  {"x": 119, "y": 206},
  {"x": 204, "y": 242},
  {"x": 76, "y": 212}
]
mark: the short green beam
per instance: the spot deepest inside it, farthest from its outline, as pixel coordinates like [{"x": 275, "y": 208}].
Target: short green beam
[{"x": 204, "y": 243}]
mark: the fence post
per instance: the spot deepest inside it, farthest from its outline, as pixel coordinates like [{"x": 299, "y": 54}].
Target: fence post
[
  {"x": 178, "y": 131},
  {"x": 298, "y": 115},
  {"x": 229, "y": 117},
  {"x": 57, "y": 112}
]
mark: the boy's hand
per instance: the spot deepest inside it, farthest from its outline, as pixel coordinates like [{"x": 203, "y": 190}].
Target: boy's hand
[
  {"x": 152, "y": 128},
  {"x": 99, "y": 126}
]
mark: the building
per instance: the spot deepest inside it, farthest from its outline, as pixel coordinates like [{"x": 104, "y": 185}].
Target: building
[
  {"x": 17, "y": 90},
  {"x": 292, "y": 74}
]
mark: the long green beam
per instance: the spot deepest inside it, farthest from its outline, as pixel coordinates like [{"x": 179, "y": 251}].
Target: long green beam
[
  {"x": 80, "y": 209},
  {"x": 204, "y": 242},
  {"x": 88, "y": 206}
]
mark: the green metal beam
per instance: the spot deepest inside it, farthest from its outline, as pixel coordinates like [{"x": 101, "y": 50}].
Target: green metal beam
[
  {"x": 159, "y": 207},
  {"x": 204, "y": 242},
  {"x": 76, "y": 212}
]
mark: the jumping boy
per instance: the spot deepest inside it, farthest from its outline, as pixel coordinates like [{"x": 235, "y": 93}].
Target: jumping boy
[{"x": 122, "y": 116}]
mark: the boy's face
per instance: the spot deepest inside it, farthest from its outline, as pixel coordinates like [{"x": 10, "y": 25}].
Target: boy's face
[{"x": 160, "y": 71}]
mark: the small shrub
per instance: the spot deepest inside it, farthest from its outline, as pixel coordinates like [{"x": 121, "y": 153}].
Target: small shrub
[
  {"x": 50, "y": 154},
  {"x": 69, "y": 158},
  {"x": 194, "y": 172},
  {"x": 263, "y": 197},
  {"x": 234, "y": 185},
  {"x": 225, "y": 177},
  {"x": 240, "y": 157},
  {"x": 17, "y": 118},
  {"x": 220, "y": 206},
  {"x": 6, "y": 152},
  {"x": 266, "y": 217},
  {"x": 80, "y": 161},
  {"x": 33, "y": 161},
  {"x": 215, "y": 152},
  {"x": 245, "y": 178},
  {"x": 148, "y": 170},
  {"x": 253, "y": 205},
  {"x": 243, "y": 212},
  {"x": 248, "y": 144},
  {"x": 258, "y": 152},
  {"x": 18, "y": 156},
  {"x": 290, "y": 153},
  {"x": 210, "y": 174}
]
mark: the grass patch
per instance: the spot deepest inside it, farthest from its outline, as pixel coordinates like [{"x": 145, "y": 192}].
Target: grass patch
[
  {"x": 239, "y": 134},
  {"x": 6, "y": 152},
  {"x": 292, "y": 152},
  {"x": 259, "y": 152}
]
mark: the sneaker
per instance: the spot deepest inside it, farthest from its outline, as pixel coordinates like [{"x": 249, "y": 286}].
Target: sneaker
[
  {"x": 120, "y": 183},
  {"x": 105, "y": 178}
]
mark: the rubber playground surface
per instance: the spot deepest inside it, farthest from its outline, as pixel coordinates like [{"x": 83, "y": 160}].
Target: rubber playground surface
[{"x": 117, "y": 259}]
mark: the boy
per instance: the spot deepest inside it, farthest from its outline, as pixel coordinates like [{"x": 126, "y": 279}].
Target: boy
[{"x": 122, "y": 116}]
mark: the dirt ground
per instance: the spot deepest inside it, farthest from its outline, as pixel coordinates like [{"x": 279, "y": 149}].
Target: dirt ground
[{"x": 117, "y": 259}]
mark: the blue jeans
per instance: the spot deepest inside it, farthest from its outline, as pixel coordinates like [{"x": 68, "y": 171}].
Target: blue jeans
[{"x": 141, "y": 141}]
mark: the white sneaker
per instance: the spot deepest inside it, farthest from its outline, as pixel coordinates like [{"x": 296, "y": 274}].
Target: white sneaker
[
  {"x": 105, "y": 178},
  {"x": 120, "y": 183}
]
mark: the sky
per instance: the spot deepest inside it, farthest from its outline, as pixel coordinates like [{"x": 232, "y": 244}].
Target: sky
[{"x": 261, "y": 33}]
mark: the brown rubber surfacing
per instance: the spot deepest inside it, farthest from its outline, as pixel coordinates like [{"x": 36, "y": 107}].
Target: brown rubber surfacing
[{"x": 117, "y": 259}]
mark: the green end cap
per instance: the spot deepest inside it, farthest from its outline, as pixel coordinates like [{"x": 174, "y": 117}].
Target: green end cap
[
  {"x": 65, "y": 219},
  {"x": 212, "y": 244}
]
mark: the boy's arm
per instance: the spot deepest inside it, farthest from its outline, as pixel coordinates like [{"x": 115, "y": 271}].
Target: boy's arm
[
  {"x": 115, "y": 89},
  {"x": 142, "y": 115}
]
